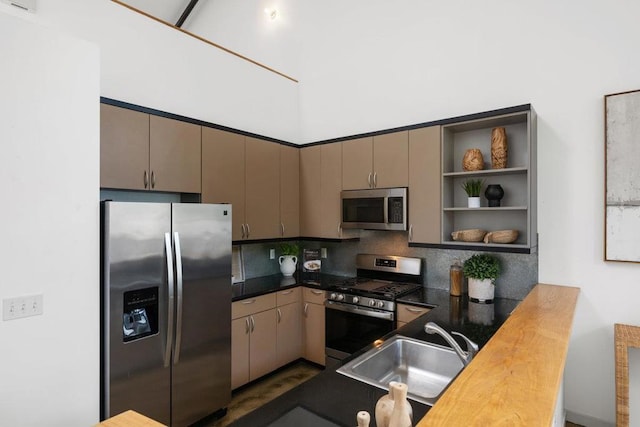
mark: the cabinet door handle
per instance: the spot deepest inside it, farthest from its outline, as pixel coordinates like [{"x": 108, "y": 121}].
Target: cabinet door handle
[
  {"x": 279, "y": 315},
  {"x": 242, "y": 229},
  {"x": 282, "y": 228},
  {"x": 306, "y": 309},
  {"x": 248, "y": 301},
  {"x": 369, "y": 180},
  {"x": 339, "y": 230},
  {"x": 248, "y": 230},
  {"x": 253, "y": 323},
  {"x": 287, "y": 292},
  {"x": 153, "y": 179},
  {"x": 316, "y": 292},
  {"x": 375, "y": 179},
  {"x": 145, "y": 179},
  {"x": 246, "y": 329},
  {"x": 414, "y": 310},
  {"x": 411, "y": 232}
]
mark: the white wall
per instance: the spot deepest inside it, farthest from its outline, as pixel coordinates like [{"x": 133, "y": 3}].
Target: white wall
[
  {"x": 49, "y": 225},
  {"x": 374, "y": 64},
  {"x": 150, "y": 64}
]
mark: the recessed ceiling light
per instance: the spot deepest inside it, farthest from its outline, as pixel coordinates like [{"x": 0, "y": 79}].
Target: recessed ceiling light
[{"x": 271, "y": 13}]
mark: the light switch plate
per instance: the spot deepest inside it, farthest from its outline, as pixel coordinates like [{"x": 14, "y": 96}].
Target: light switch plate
[
  {"x": 19, "y": 307},
  {"x": 323, "y": 252}
]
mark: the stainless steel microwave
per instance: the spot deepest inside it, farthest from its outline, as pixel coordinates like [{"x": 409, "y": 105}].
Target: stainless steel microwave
[{"x": 375, "y": 209}]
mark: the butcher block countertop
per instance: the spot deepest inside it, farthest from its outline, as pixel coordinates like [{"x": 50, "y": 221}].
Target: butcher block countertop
[
  {"x": 129, "y": 419},
  {"x": 514, "y": 380}
]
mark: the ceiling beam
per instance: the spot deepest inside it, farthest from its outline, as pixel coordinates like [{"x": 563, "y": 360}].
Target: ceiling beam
[{"x": 186, "y": 13}]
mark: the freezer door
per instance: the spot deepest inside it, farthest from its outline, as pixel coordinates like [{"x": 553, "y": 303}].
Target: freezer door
[
  {"x": 135, "y": 367},
  {"x": 201, "y": 382}
]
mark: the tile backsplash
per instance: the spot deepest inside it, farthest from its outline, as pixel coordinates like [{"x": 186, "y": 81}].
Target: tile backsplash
[{"x": 519, "y": 271}]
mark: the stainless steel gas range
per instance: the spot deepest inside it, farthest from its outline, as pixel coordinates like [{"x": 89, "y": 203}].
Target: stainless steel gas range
[{"x": 362, "y": 309}]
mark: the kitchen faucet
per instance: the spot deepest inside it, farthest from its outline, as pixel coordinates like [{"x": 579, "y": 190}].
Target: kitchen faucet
[{"x": 465, "y": 356}]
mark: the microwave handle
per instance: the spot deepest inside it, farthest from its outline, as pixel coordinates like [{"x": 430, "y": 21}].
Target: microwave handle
[{"x": 386, "y": 210}]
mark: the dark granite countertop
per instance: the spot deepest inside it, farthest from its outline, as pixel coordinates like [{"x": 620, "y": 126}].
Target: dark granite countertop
[
  {"x": 337, "y": 398},
  {"x": 276, "y": 282}
]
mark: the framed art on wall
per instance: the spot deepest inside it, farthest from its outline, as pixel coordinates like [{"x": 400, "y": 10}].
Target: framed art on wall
[{"x": 622, "y": 176}]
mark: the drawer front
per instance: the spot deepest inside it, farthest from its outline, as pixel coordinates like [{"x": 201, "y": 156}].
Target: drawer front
[
  {"x": 407, "y": 313},
  {"x": 288, "y": 296},
  {"x": 314, "y": 296},
  {"x": 250, "y": 306}
]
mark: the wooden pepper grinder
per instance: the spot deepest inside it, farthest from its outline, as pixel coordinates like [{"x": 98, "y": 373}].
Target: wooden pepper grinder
[
  {"x": 363, "y": 418},
  {"x": 400, "y": 416}
]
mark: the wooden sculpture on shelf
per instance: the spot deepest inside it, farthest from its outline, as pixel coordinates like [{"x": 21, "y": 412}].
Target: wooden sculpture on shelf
[
  {"x": 499, "y": 151},
  {"x": 472, "y": 160}
]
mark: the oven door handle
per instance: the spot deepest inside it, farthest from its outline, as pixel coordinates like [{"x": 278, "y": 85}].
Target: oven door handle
[{"x": 386, "y": 315}]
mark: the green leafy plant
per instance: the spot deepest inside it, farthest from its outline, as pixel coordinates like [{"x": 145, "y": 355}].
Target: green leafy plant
[
  {"x": 472, "y": 187},
  {"x": 289, "y": 249},
  {"x": 482, "y": 266}
]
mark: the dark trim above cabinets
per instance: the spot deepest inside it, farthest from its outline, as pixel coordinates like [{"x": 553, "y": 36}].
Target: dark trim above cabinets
[
  {"x": 161, "y": 113},
  {"x": 441, "y": 122}
]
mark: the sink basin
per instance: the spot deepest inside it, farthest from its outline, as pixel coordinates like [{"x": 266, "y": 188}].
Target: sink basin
[{"x": 426, "y": 368}]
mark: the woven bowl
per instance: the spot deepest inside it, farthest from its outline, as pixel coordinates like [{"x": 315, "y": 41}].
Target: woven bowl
[
  {"x": 501, "y": 236},
  {"x": 471, "y": 235}
]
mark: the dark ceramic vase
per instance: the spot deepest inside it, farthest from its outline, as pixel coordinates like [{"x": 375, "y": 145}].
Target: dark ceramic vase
[{"x": 494, "y": 194}]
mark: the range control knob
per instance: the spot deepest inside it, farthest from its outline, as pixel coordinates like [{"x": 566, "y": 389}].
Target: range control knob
[
  {"x": 381, "y": 304},
  {"x": 372, "y": 303},
  {"x": 356, "y": 300},
  {"x": 332, "y": 296},
  {"x": 340, "y": 297}
]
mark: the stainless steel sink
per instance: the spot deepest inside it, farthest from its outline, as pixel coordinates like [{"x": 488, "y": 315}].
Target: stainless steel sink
[{"x": 426, "y": 368}]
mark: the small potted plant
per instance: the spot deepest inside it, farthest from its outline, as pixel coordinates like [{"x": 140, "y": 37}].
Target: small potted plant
[
  {"x": 473, "y": 187},
  {"x": 288, "y": 258},
  {"x": 482, "y": 270}
]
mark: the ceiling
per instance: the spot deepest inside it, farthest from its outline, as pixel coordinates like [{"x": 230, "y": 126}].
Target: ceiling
[{"x": 241, "y": 27}]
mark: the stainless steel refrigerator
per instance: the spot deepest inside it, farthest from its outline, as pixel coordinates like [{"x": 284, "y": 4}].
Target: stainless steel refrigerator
[{"x": 166, "y": 310}]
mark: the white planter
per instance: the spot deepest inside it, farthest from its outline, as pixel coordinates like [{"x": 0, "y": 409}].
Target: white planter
[
  {"x": 481, "y": 290},
  {"x": 473, "y": 202},
  {"x": 288, "y": 264}
]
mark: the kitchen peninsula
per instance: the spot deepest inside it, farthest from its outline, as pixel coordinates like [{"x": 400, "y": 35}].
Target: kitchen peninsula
[{"x": 515, "y": 378}]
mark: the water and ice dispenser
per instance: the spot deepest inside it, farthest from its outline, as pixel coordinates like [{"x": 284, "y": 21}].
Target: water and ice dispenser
[{"x": 140, "y": 316}]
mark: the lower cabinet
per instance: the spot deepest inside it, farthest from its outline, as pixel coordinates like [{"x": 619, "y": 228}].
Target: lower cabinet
[
  {"x": 313, "y": 315},
  {"x": 289, "y": 326},
  {"x": 253, "y": 339},
  {"x": 408, "y": 313},
  {"x": 271, "y": 330}
]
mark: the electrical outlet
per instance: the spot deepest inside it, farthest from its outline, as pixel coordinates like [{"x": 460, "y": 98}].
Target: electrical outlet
[
  {"x": 19, "y": 307},
  {"x": 272, "y": 254},
  {"x": 323, "y": 252}
]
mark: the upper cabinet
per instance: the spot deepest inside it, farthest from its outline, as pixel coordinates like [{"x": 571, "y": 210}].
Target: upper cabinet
[
  {"x": 223, "y": 174},
  {"x": 244, "y": 172},
  {"x": 124, "y": 148},
  {"x": 424, "y": 185},
  {"x": 143, "y": 152},
  {"x": 262, "y": 191},
  {"x": 320, "y": 186},
  {"x": 289, "y": 191},
  {"x": 174, "y": 155},
  {"x": 380, "y": 161},
  {"x": 517, "y": 209}
]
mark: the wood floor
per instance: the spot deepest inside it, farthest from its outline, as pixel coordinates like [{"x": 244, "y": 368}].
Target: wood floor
[{"x": 262, "y": 391}]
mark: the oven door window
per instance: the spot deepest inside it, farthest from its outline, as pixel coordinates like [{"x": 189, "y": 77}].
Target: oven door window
[
  {"x": 350, "y": 332},
  {"x": 370, "y": 209}
]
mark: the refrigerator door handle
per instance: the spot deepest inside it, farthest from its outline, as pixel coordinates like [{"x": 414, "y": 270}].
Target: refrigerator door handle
[
  {"x": 176, "y": 351},
  {"x": 170, "y": 286}
]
